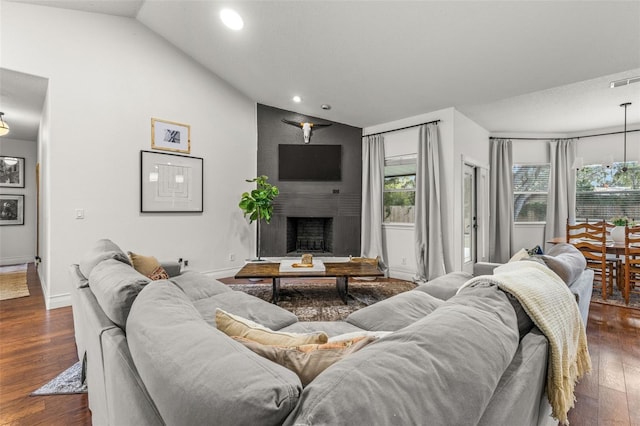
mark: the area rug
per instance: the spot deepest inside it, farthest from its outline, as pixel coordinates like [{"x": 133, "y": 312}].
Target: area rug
[
  {"x": 13, "y": 282},
  {"x": 616, "y": 298},
  {"x": 67, "y": 382},
  {"x": 318, "y": 299}
]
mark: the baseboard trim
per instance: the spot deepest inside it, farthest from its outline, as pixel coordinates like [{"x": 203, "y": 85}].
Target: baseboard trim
[
  {"x": 16, "y": 260},
  {"x": 222, "y": 273},
  {"x": 58, "y": 301},
  {"x": 402, "y": 274}
]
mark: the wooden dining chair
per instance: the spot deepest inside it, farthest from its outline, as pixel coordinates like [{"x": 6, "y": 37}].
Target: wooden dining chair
[
  {"x": 631, "y": 263},
  {"x": 591, "y": 240},
  {"x": 613, "y": 259}
]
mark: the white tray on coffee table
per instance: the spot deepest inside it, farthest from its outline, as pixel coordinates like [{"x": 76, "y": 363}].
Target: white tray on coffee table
[{"x": 287, "y": 265}]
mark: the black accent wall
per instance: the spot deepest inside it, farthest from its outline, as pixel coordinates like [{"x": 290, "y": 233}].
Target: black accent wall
[{"x": 337, "y": 200}]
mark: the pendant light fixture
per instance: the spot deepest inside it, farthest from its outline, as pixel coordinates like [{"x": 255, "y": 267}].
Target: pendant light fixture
[
  {"x": 624, "y": 158},
  {"x": 4, "y": 127}
]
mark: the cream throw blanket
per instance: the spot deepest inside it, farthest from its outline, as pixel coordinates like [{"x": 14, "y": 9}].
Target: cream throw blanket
[{"x": 553, "y": 309}]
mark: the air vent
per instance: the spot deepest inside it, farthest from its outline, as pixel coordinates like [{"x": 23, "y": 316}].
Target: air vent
[{"x": 626, "y": 81}]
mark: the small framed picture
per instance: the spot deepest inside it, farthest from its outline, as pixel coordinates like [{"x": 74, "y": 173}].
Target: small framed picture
[
  {"x": 11, "y": 209},
  {"x": 11, "y": 172},
  {"x": 170, "y": 136}
]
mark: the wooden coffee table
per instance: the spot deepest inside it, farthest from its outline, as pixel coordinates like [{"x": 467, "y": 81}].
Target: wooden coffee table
[{"x": 340, "y": 270}]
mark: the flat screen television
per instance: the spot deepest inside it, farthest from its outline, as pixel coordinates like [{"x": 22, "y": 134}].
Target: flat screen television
[{"x": 310, "y": 162}]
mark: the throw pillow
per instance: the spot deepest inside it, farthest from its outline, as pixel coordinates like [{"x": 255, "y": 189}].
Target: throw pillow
[
  {"x": 522, "y": 254},
  {"x": 535, "y": 250},
  {"x": 158, "y": 274},
  {"x": 148, "y": 266},
  {"x": 236, "y": 326},
  {"x": 358, "y": 334},
  {"x": 307, "y": 361},
  {"x": 566, "y": 261}
]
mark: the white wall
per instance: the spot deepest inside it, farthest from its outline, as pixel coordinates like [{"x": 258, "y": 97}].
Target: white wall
[
  {"x": 458, "y": 136},
  {"x": 19, "y": 241},
  {"x": 108, "y": 76},
  {"x": 471, "y": 144}
]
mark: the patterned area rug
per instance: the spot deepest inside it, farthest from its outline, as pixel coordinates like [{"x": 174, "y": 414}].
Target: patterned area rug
[
  {"x": 318, "y": 300},
  {"x": 13, "y": 282},
  {"x": 616, "y": 298},
  {"x": 67, "y": 382}
]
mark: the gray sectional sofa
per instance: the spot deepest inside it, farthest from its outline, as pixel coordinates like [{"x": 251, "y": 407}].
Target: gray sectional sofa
[{"x": 154, "y": 355}]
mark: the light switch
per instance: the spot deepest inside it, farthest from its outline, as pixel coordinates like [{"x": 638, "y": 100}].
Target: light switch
[{"x": 79, "y": 213}]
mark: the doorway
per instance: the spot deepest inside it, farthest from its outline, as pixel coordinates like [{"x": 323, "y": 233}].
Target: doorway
[{"x": 475, "y": 214}]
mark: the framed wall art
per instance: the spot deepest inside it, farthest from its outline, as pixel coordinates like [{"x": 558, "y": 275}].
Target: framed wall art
[
  {"x": 11, "y": 209},
  {"x": 11, "y": 172},
  {"x": 170, "y": 183},
  {"x": 170, "y": 136}
]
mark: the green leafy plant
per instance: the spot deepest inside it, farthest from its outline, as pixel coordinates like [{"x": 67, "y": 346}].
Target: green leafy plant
[
  {"x": 258, "y": 204},
  {"x": 622, "y": 221}
]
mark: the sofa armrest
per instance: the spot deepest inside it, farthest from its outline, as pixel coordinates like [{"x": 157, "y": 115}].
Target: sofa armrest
[
  {"x": 484, "y": 268},
  {"x": 172, "y": 268}
]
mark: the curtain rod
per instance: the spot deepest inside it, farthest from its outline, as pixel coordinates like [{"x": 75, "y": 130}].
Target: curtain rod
[
  {"x": 575, "y": 137},
  {"x": 401, "y": 128}
]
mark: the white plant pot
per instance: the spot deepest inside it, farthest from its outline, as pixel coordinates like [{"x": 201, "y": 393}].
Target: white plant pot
[{"x": 617, "y": 234}]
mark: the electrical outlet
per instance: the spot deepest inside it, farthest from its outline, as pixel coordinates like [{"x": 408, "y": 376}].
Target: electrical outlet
[
  {"x": 404, "y": 260},
  {"x": 232, "y": 257},
  {"x": 186, "y": 263}
]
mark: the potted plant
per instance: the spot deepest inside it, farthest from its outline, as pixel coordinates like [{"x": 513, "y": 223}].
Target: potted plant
[
  {"x": 617, "y": 233},
  {"x": 258, "y": 204}
]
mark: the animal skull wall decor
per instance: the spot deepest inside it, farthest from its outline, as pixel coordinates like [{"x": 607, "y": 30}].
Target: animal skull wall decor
[{"x": 306, "y": 127}]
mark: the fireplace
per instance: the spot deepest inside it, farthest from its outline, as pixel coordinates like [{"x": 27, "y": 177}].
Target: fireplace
[{"x": 309, "y": 235}]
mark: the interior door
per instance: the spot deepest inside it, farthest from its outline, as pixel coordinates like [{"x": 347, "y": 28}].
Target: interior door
[{"x": 469, "y": 218}]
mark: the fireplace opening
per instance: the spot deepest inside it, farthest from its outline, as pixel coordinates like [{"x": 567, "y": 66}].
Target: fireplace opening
[{"x": 310, "y": 235}]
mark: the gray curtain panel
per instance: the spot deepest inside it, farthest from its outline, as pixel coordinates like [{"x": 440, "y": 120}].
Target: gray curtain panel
[
  {"x": 372, "y": 206},
  {"x": 428, "y": 226},
  {"x": 501, "y": 201},
  {"x": 561, "y": 199}
]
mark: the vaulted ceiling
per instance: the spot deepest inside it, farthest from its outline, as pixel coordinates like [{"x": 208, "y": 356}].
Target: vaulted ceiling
[{"x": 511, "y": 66}]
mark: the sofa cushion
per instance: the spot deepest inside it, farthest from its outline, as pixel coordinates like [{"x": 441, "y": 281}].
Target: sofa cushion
[
  {"x": 197, "y": 375},
  {"x": 522, "y": 386},
  {"x": 441, "y": 370},
  {"x": 116, "y": 285},
  {"x": 246, "y": 306},
  {"x": 395, "y": 312},
  {"x": 102, "y": 250},
  {"x": 446, "y": 286},
  {"x": 237, "y": 326},
  {"x": 565, "y": 260},
  {"x": 307, "y": 361},
  {"x": 199, "y": 286}
]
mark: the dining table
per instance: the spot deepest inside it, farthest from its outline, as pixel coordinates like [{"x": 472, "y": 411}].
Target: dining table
[{"x": 613, "y": 247}]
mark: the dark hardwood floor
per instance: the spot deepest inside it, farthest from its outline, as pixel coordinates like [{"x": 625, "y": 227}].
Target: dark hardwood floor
[
  {"x": 36, "y": 345},
  {"x": 610, "y": 395}
]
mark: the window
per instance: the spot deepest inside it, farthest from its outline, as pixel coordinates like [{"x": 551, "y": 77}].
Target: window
[
  {"x": 604, "y": 192},
  {"x": 530, "y": 188},
  {"x": 399, "y": 194}
]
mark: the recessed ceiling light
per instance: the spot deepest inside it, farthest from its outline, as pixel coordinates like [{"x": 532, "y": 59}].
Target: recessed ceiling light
[
  {"x": 231, "y": 19},
  {"x": 297, "y": 99}
]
